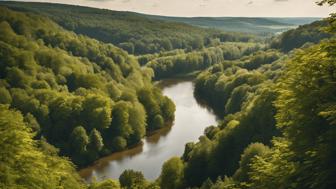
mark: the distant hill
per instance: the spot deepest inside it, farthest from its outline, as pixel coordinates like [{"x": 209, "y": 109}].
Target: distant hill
[
  {"x": 296, "y": 20},
  {"x": 136, "y": 33},
  {"x": 309, "y": 33},
  {"x": 145, "y": 34},
  {"x": 257, "y": 25}
]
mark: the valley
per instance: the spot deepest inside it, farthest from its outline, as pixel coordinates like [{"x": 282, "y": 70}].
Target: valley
[{"x": 101, "y": 99}]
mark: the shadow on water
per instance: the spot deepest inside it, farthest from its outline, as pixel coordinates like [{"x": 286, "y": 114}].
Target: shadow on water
[
  {"x": 217, "y": 111},
  {"x": 101, "y": 164}
]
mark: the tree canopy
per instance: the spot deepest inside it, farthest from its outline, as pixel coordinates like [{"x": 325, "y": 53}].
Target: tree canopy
[{"x": 81, "y": 95}]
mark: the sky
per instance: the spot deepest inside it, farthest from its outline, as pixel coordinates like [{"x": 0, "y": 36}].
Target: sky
[{"x": 192, "y": 8}]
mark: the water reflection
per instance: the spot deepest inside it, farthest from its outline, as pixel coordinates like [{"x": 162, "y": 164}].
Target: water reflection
[{"x": 148, "y": 157}]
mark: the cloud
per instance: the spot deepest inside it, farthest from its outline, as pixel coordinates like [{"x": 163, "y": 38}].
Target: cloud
[
  {"x": 251, "y": 8},
  {"x": 122, "y": 1},
  {"x": 100, "y": 0}
]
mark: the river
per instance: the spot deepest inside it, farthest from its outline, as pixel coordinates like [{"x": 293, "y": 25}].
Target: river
[{"x": 191, "y": 119}]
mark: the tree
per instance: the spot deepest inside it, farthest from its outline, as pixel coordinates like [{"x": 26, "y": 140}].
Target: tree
[
  {"x": 17, "y": 77},
  {"x": 250, "y": 152},
  {"x": 129, "y": 47},
  {"x": 158, "y": 122},
  {"x": 238, "y": 96},
  {"x": 32, "y": 123},
  {"x": 5, "y": 96},
  {"x": 120, "y": 125},
  {"x": 303, "y": 156},
  {"x": 79, "y": 139},
  {"x": 310, "y": 125},
  {"x": 330, "y": 2},
  {"x": 23, "y": 165},
  {"x": 137, "y": 120},
  {"x": 208, "y": 184},
  {"x": 60, "y": 80},
  {"x": 96, "y": 141},
  {"x": 106, "y": 184},
  {"x": 119, "y": 143},
  {"x": 168, "y": 109},
  {"x": 332, "y": 19},
  {"x": 172, "y": 174},
  {"x": 132, "y": 179},
  {"x": 96, "y": 111}
]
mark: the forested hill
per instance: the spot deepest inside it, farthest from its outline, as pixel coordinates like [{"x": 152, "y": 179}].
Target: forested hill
[
  {"x": 133, "y": 32},
  {"x": 256, "y": 25},
  {"x": 172, "y": 63},
  {"x": 145, "y": 34},
  {"x": 67, "y": 99},
  {"x": 278, "y": 118},
  {"x": 85, "y": 97},
  {"x": 309, "y": 33}
]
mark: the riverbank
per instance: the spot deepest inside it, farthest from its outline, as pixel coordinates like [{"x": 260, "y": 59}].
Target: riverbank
[{"x": 190, "y": 121}]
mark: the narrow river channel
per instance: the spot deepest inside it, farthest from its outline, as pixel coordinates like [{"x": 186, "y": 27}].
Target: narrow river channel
[{"x": 190, "y": 120}]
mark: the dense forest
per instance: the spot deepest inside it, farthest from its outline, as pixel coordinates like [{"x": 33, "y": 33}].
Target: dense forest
[
  {"x": 132, "y": 32},
  {"x": 279, "y": 118},
  {"x": 254, "y": 25},
  {"x": 84, "y": 97},
  {"x": 67, "y": 99}
]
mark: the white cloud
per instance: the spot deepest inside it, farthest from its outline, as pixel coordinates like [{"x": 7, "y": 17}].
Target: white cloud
[{"x": 251, "y": 8}]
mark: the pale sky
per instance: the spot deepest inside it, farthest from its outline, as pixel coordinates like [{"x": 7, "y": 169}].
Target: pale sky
[{"x": 244, "y": 8}]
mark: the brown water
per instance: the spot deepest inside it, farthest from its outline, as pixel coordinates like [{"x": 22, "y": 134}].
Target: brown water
[{"x": 190, "y": 120}]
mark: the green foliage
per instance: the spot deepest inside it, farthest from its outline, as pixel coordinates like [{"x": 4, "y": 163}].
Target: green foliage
[
  {"x": 106, "y": 184},
  {"x": 244, "y": 91},
  {"x": 226, "y": 183},
  {"x": 262, "y": 26},
  {"x": 119, "y": 143},
  {"x": 172, "y": 174},
  {"x": 330, "y": 2},
  {"x": 308, "y": 89},
  {"x": 158, "y": 121},
  {"x": 303, "y": 156},
  {"x": 227, "y": 90},
  {"x": 135, "y": 33},
  {"x": 207, "y": 184},
  {"x": 96, "y": 141},
  {"x": 60, "y": 80},
  {"x": 250, "y": 152},
  {"x": 97, "y": 110},
  {"x": 273, "y": 168},
  {"x": 23, "y": 164},
  {"x": 32, "y": 123},
  {"x": 88, "y": 99},
  {"x": 132, "y": 179},
  {"x": 160, "y": 109},
  {"x": 79, "y": 139},
  {"x": 6, "y": 98},
  {"x": 295, "y": 38},
  {"x": 180, "y": 62}
]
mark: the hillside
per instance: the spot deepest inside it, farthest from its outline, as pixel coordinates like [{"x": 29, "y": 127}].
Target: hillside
[
  {"x": 151, "y": 23},
  {"x": 260, "y": 26},
  {"x": 133, "y": 32},
  {"x": 309, "y": 33},
  {"x": 278, "y": 118},
  {"x": 70, "y": 94},
  {"x": 84, "y": 97}
]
